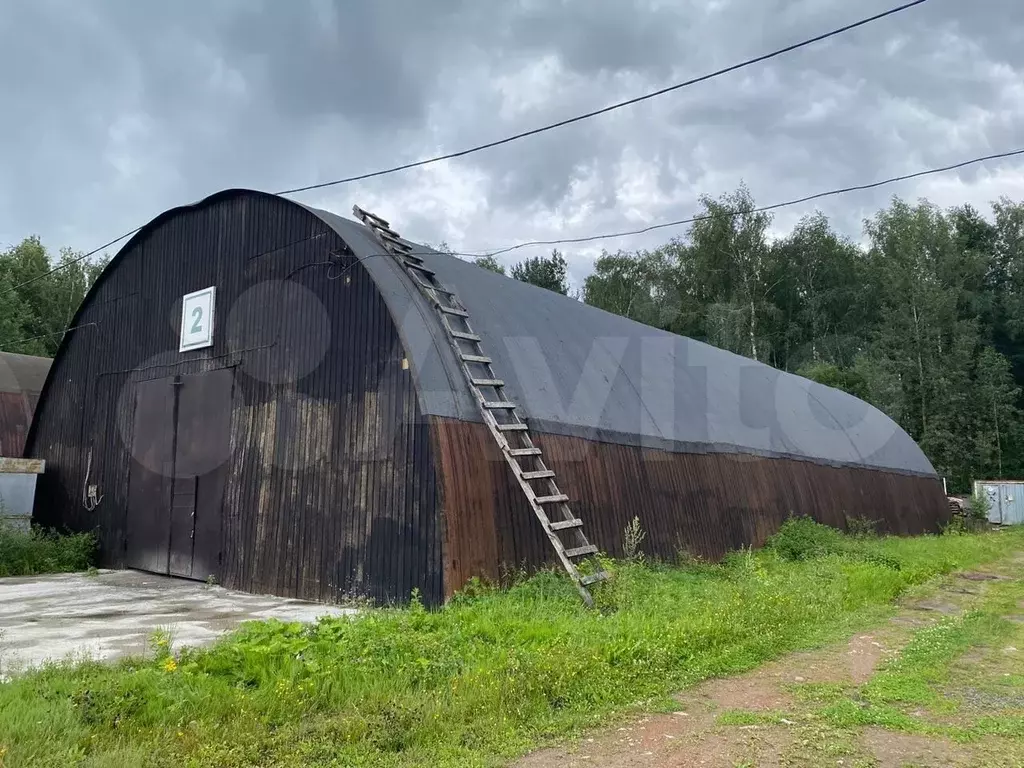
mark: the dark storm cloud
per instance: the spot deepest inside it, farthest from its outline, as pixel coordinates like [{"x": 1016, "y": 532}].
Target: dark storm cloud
[
  {"x": 867, "y": 88},
  {"x": 116, "y": 111},
  {"x": 607, "y": 36}
]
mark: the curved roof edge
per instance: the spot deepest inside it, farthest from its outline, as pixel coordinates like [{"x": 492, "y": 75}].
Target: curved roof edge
[
  {"x": 22, "y": 374},
  {"x": 578, "y": 370},
  {"x": 440, "y": 386}
]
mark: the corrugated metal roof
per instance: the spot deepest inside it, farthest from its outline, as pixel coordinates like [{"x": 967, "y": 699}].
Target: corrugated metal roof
[
  {"x": 22, "y": 374},
  {"x": 578, "y": 370}
]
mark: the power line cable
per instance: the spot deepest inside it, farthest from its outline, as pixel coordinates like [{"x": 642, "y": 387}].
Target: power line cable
[
  {"x": 542, "y": 129},
  {"x": 649, "y": 228},
  {"x": 774, "y": 206},
  {"x": 612, "y": 107},
  {"x": 643, "y": 230},
  {"x": 66, "y": 264}
]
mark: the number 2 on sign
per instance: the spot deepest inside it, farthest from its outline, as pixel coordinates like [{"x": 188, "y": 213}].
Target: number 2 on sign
[{"x": 197, "y": 319}]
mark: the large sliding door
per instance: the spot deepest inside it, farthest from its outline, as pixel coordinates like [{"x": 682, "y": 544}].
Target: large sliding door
[{"x": 180, "y": 448}]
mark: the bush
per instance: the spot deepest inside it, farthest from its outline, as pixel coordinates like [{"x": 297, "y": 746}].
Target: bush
[
  {"x": 979, "y": 507},
  {"x": 861, "y": 527},
  {"x": 955, "y": 527},
  {"x": 28, "y": 553},
  {"x": 801, "y": 538}
]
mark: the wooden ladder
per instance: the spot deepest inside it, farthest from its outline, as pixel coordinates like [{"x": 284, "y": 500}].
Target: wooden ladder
[{"x": 512, "y": 435}]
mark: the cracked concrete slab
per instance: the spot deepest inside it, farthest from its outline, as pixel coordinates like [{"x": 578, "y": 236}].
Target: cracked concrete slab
[{"x": 113, "y": 613}]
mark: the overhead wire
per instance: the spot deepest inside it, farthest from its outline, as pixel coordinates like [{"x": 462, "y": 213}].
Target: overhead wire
[
  {"x": 760, "y": 209},
  {"x": 611, "y": 107},
  {"x": 68, "y": 263},
  {"x": 9, "y": 345},
  {"x": 654, "y": 227},
  {"x": 648, "y": 228},
  {"x": 535, "y": 131}
]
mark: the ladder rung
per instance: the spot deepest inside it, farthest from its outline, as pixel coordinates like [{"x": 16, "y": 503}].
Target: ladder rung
[
  {"x": 561, "y": 525},
  {"x": 590, "y": 549},
  {"x": 420, "y": 267},
  {"x": 453, "y": 311},
  {"x": 466, "y": 336},
  {"x": 524, "y": 452},
  {"x": 429, "y": 287},
  {"x": 538, "y": 475},
  {"x": 361, "y": 213},
  {"x": 488, "y": 383},
  {"x": 476, "y": 358},
  {"x": 391, "y": 237},
  {"x": 497, "y": 405},
  {"x": 553, "y": 499},
  {"x": 594, "y": 577},
  {"x": 513, "y": 428}
]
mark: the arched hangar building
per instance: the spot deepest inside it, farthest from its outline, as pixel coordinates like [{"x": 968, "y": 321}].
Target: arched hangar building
[{"x": 258, "y": 391}]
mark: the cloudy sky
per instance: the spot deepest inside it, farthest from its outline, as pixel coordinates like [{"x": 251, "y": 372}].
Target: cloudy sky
[{"x": 115, "y": 110}]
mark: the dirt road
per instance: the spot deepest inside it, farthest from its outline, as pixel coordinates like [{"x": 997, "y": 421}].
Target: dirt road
[{"x": 939, "y": 684}]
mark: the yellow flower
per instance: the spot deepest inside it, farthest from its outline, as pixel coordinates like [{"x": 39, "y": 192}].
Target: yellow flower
[{"x": 170, "y": 665}]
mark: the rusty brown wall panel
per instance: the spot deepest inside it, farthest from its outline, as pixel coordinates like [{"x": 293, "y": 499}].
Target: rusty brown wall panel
[
  {"x": 468, "y": 488},
  {"x": 15, "y": 417},
  {"x": 707, "y": 504},
  {"x": 330, "y": 487},
  {"x": 21, "y": 379}
]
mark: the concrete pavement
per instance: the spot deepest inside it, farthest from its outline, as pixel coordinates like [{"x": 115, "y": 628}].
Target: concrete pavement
[{"x": 112, "y": 614}]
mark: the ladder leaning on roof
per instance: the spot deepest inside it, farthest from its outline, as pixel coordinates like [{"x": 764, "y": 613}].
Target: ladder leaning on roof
[{"x": 512, "y": 435}]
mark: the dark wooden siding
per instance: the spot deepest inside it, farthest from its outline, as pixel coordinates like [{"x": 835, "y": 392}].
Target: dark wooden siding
[
  {"x": 707, "y": 504},
  {"x": 329, "y": 487}
]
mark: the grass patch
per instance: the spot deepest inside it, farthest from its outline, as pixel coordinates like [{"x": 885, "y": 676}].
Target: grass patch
[
  {"x": 921, "y": 690},
  {"x": 484, "y": 679},
  {"x": 747, "y": 717},
  {"x": 28, "y": 553},
  {"x": 913, "y": 676}
]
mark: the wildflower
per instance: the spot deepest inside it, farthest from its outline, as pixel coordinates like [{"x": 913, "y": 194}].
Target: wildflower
[{"x": 170, "y": 665}]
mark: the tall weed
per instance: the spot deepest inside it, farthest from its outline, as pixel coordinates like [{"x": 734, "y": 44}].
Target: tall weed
[{"x": 28, "y": 553}]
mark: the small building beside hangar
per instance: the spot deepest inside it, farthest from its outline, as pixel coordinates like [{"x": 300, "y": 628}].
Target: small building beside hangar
[
  {"x": 21, "y": 380},
  {"x": 257, "y": 391}
]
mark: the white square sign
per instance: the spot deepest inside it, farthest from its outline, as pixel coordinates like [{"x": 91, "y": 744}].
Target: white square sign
[{"x": 197, "y": 319}]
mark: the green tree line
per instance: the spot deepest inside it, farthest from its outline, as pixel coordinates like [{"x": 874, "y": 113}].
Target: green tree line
[
  {"x": 924, "y": 318},
  {"x": 37, "y": 302}
]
